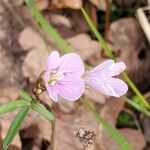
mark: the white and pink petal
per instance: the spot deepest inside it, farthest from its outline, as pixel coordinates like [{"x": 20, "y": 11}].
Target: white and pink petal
[
  {"x": 71, "y": 64},
  {"x": 71, "y": 88}
]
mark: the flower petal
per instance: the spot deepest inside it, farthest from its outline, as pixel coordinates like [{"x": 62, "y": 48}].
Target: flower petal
[
  {"x": 117, "y": 68},
  {"x": 72, "y": 64},
  {"x": 111, "y": 86},
  {"x": 53, "y": 61},
  {"x": 70, "y": 88},
  {"x": 101, "y": 71},
  {"x": 119, "y": 86},
  {"x": 52, "y": 92}
]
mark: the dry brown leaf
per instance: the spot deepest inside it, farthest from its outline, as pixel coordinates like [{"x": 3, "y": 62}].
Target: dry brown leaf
[
  {"x": 84, "y": 45},
  {"x": 42, "y": 4},
  {"x": 74, "y": 4},
  {"x": 68, "y": 126},
  {"x": 127, "y": 37},
  {"x": 35, "y": 60},
  {"x": 58, "y": 19},
  {"x": 94, "y": 96},
  {"x": 100, "y": 4},
  {"x": 110, "y": 112},
  {"x": 124, "y": 3},
  {"x": 134, "y": 137},
  {"x": 66, "y": 106}
]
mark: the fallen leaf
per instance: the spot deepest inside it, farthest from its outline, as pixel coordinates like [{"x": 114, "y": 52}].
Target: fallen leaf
[
  {"x": 100, "y": 4},
  {"x": 126, "y": 35},
  {"x": 74, "y": 4},
  {"x": 35, "y": 60},
  {"x": 42, "y": 4},
  {"x": 84, "y": 45}
]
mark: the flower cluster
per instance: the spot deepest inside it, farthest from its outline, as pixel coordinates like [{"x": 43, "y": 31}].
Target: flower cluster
[{"x": 65, "y": 77}]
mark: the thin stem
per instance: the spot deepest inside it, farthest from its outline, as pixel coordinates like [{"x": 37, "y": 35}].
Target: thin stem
[
  {"x": 121, "y": 141},
  {"x": 136, "y": 91},
  {"x": 110, "y": 55},
  {"x": 52, "y": 136}
]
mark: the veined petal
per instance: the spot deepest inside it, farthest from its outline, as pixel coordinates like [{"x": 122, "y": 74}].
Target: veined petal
[
  {"x": 52, "y": 92},
  {"x": 100, "y": 71},
  {"x": 117, "y": 68},
  {"x": 100, "y": 86},
  {"x": 119, "y": 86},
  {"x": 111, "y": 86},
  {"x": 53, "y": 61},
  {"x": 70, "y": 88},
  {"x": 72, "y": 64}
]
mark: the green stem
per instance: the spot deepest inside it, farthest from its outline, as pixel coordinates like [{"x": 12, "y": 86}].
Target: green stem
[
  {"x": 110, "y": 55},
  {"x": 112, "y": 131},
  {"x": 52, "y": 136},
  {"x": 136, "y": 91}
]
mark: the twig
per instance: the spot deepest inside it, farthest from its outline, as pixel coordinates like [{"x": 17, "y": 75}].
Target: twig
[{"x": 107, "y": 18}]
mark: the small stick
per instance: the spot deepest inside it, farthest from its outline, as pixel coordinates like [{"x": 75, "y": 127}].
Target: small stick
[{"x": 107, "y": 18}]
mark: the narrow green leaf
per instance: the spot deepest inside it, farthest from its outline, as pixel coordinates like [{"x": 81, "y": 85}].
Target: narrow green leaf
[
  {"x": 98, "y": 35},
  {"x": 25, "y": 95},
  {"x": 42, "y": 110},
  {"x": 15, "y": 126},
  {"x": 113, "y": 132},
  {"x": 12, "y": 106},
  {"x": 110, "y": 55},
  {"x": 47, "y": 27},
  {"x": 137, "y": 106}
]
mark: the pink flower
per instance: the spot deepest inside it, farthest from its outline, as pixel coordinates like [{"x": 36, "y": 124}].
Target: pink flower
[
  {"x": 63, "y": 76},
  {"x": 101, "y": 78}
]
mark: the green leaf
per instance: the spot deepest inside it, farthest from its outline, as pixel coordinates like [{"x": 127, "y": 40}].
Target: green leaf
[
  {"x": 48, "y": 28},
  {"x": 12, "y": 106},
  {"x": 110, "y": 55},
  {"x": 124, "y": 145},
  {"x": 42, "y": 110},
  {"x": 15, "y": 126},
  {"x": 139, "y": 107},
  {"x": 25, "y": 95}
]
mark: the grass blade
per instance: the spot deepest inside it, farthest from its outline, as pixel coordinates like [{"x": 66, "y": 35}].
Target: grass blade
[
  {"x": 12, "y": 106},
  {"x": 48, "y": 28},
  {"x": 110, "y": 55},
  {"x": 113, "y": 132},
  {"x": 15, "y": 126},
  {"x": 42, "y": 110},
  {"x": 137, "y": 106}
]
